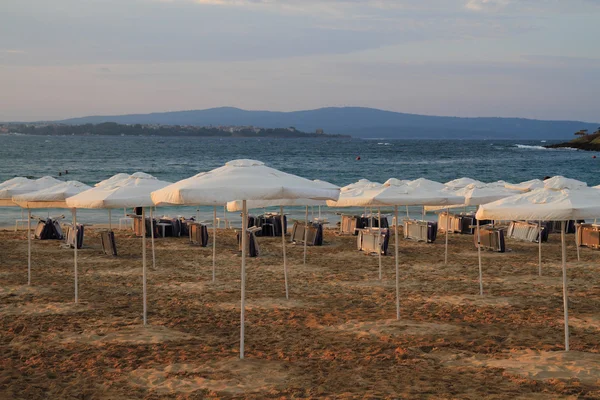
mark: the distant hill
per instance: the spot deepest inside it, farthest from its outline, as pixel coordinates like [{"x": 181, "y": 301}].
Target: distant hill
[{"x": 359, "y": 122}]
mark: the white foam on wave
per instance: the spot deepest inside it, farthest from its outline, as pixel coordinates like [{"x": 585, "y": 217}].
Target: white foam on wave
[{"x": 529, "y": 147}]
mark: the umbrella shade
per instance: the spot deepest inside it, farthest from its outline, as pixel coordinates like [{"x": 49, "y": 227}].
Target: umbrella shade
[
  {"x": 241, "y": 180},
  {"x": 17, "y": 186},
  {"x": 475, "y": 195},
  {"x": 52, "y": 197},
  {"x": 114, "y": 179},
  {"x": 133, "y": 191},
  {"x": 461, "y": 183},
  {"x": 545, "y": 205},
  {"x": 526, "y": 186},
  {"x": 375, "y": 195}
]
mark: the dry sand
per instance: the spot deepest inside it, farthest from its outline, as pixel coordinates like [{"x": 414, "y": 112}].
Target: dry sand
[{"x": 337, "y": 336}]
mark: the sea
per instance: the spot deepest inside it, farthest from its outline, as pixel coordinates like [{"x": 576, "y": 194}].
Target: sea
[{"x": 341, "y": 161}]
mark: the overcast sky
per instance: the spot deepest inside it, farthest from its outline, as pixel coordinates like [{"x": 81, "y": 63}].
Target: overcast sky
[{"x": 525, "y": 58}]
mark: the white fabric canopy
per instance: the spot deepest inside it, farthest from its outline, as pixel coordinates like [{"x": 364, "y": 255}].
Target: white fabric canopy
[
  {"x": 245, "y": 180},
  {"x": 477, "y": 194},
  {"x": 526, "y": 186},
  {"x": 375, "y": 195},
  {"x": 561, "y": 199},
  {"x": 17, "y": 186},
  {"x": 52, "y": 197},
  {"x": 241, "y": 180},
  {"x": 133, "y": 191},
  {"x": 461, "y": 183},
  {"x": 545, "y": 205},
  {"x": 113, "y": 179}
]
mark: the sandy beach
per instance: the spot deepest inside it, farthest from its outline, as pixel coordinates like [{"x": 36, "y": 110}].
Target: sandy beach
[{"x": 337, "y": 335}]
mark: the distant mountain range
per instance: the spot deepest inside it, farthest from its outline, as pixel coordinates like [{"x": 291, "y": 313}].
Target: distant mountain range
[{"x": 359, "y": 122}]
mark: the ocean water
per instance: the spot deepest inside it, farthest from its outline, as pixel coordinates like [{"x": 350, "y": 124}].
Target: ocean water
[{"x": 91, "y": 159}]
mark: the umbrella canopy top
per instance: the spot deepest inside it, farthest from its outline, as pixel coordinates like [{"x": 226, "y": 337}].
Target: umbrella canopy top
[
  {"x": 133, "y": 191},
  {"x": 17, "y": 186},
  {"x": 15, "y": 181},
  {"x": 560, "y": 182},
  {"x": 52, "y": 197},
  {"x": 376, "y": 195},
  {"x": 526, "y": 186},
  {"x": 426, "y": 184},
  {"x": 477, "y": 194},
  {"x": 396, "y": 182},
  {"x": 242, "y": 180},
  {"x": 461, "y": 183},
  {"x": 547, "y": 204}
]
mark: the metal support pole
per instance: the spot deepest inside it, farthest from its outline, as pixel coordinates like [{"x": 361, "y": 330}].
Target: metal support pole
[
  {"x": 564, "y": 276},
  {"x": 214, "y": 264},
  {"x": 447, "y": 229},
  {"x": 397, "y": 268},
  {"x": 479, "y": 256},
  {"x": 540, "y": 248},
  {"x": 74, "y": 211},
  {"x": 305, "y": 234},
  {"x": 243, "y": 279},
  {"x": 29, "y": 246},
  {"x": 152, "y": 238},
  {"x": 285, "y": 272},
  {"x": 144, "y": 312}
]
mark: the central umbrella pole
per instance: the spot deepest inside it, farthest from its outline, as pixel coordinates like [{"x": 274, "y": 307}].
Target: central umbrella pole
[
  {"x": 243, "y": 279},
  {"x": 379, "y": 240},
  {"x": 144, "y": 312},
  {"x": 74, "y": 211},
  {"x": 447, "y": 229},
  {"x": 152, "y": 238},
  {"x": 285, "y": 272},
  {"x": 564, "y": 276},
  {"x": 305, "y": 233},
  {"x": 110, "y": 218},
  {"x": 540, "y": 249},
  {"x": 577, "y": 240},
  {"x": 214, "y": 242},
  {"x": 407, "y": 214},
  {"x": 397, "y": 269},
  {"x": 319, "y": 213},
  {"x": 29, "y": 246},
  {"x": 479, "y": 256}
]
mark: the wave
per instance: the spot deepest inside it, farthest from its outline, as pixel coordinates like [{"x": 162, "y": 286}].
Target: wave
[{"x": 525, "y": 146}]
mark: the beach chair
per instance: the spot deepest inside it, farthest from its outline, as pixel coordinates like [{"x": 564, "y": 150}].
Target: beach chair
[
  {"x": 75, "y": 236},
  {"x": 589, "y": 236},
  {"x": 491, "y": 239},
  {"x": 452, "y": 221},
  {"x": 314, "y": 235},
  {"x": 422, "y": 231},
  {"x": 49, "y": 229},
  {"x": 109, "y": 245},
  {"x": 137, "y": 226},
  {"x": 253, "y": 247},
  {"x": 349, "y": 224},
  {"x": 526, "y": 231},
  {"x": 373, "y": 240},
  {"x": 198, "y": 233}
]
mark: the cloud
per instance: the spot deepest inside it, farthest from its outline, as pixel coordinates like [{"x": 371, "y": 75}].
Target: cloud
[{"x": 486, "y": 5}]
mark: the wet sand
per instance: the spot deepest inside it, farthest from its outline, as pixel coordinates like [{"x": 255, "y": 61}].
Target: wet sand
[{"x": 337, "y": 336}]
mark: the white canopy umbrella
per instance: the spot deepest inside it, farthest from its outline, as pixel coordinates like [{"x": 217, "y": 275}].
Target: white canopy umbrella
[
  {"x": 561, "y": 199},
  {"x": 133, "y": 191},
  {"x": 419, "y": 193},
  {"x": 17, "y": 186},
  {"x": 241, "y": 180},
  {"x": 51, "y": 197}
]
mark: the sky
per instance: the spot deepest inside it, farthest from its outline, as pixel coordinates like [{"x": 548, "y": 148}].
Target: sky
[{"x": 508, "y": 58}]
